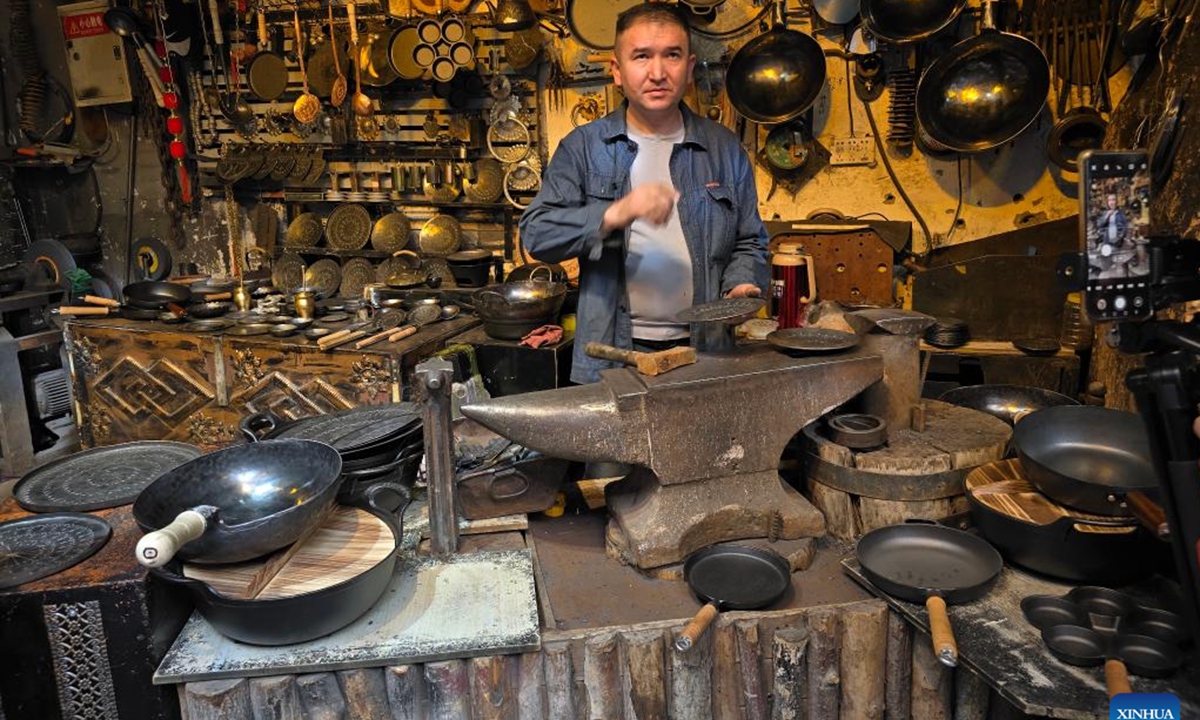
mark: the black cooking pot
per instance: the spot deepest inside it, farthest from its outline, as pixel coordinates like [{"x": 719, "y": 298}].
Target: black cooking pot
[
  {"x": 776, "y": 76},
  {"x": 156, "y": 294},
  {"x": 368, "y": 429},
  {"x": 902, "y": 21},
  {"x": 237, "y": 503},
  {"x": 1072, "y": 547},
  {"x": 300, "y": 618},
  {"x": 984, "y": 92},
  {"x": 1009, "y": 403}
]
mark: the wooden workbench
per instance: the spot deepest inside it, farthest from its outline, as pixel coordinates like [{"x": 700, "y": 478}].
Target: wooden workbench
[{"x": 138, "y": 380}]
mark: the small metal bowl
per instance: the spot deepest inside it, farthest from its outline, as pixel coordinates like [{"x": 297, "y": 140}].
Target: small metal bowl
[
  {"x": 277, "y": 319},
  {"x": 284, "y": 329},
  {"x": 316, "y": 333},
  {"x": 300, "y": 322}
]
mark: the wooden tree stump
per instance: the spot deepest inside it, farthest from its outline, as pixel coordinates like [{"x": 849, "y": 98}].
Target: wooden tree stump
[
  {"x": 645, "y": 675},
  {"x": 864, "y": 641},
  {"x": 560, "y": 681},
  {"x": 824, "y": 676},
  {"x": 405, "y": 689},
  {"x": 530, "y": 682},
  {"x": 749, "y": 655},
  {"x": 321, "y": 696},
  {"x": 726, "y": 678},
  {"x": 218, "y": 699},
  {"x": 970, "y": 695},
  {"x": 602, "y": 676},
  {"x": 365, "y": 693},
  {"x": 449, "y": 690},
  {"x": 932, "y": 683},
  {"x": 898, "y": 668},
  {"x": 493, "y": 687},
  {"x": 691, "y": 678},
  {"x": 788, "y": 648},
  {"x": 275, "y": 698}
]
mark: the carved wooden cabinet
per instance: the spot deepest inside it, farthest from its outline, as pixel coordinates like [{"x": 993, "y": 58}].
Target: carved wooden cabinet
[{"x": 148, "y": 381}]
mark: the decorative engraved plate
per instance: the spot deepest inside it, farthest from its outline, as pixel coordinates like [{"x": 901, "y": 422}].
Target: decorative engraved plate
[{"x": 81, "y": 669}]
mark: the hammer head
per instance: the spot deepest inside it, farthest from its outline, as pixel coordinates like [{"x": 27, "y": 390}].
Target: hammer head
[{"x": 655, "y": 363}]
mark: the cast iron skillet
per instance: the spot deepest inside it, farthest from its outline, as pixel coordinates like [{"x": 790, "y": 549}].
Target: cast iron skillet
[
  {"x": 731, "y": 577},
  {"x": 300, "y": 618},
  {"x": 1010, "y": 403},
  {"x": 1086, "y": 457},
  {"x": 156, "y": 294},
  {"x": 237, "y": 503},
  {"x": 930, "y": 564}
]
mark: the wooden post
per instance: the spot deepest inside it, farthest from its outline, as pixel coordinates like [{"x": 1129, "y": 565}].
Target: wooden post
[
  {"x": 824, "y": 672},
  {"x": 645, "y": 676},
  {"x": 321, "y": 697},
  {"x": 275, "y": 698},
  {"x": 691, "y": 678},
  {"x": 405, "y": 689},
  {"x": 838, "y": 508},
  {"x": 493, "y": 687},
  {"x": 932, "y": 682},
  {"x": 898, "y": 673},
  {"x": 970, "y": 695},
  {"x": 530, "y": 681},
  {"x": 754, "y": 692},
  {"x": 218, "y": 699},
  {"x": 602, "y": 677},
  {"x": 366, "y": 694},
  {"x": 560, "y": 681},
  {"x": 449, "y": 690},
  {"x": 788, "y": 649},
  {"x": 864, "y": 653},
  {"x": 726, "y": 680}
]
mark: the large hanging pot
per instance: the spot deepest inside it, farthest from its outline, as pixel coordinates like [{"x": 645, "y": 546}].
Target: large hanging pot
[
  {"x": 902, "y": 21},
  {"x": 984, "y": 92},
  {"x": 776, "y": 76}
]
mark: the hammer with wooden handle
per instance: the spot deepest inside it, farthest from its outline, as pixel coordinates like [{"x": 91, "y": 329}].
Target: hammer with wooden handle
[{"x": 647, "y": 363}]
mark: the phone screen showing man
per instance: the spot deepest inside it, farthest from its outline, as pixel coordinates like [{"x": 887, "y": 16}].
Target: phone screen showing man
[{"x": 1115, "y": 193}]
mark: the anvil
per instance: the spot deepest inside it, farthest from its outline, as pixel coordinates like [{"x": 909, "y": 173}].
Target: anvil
[{"x": 707, "y": 440}]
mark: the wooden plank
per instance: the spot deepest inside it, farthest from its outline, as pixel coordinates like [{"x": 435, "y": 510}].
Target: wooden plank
[
  {"x": 218, "y": 699},
  {"x": 932, "y": 683},
  {"x": 863, "y": 662},
  {"x": 275, "y": 698},
  {"x": 404, "y": 686},
  {"x": 898, "y": 672},
  {"x": 321, "y": 696},
  {"x": 365, "y": 693},
  {"x": 645, "y": 675},
  {"x": 749, "y": 655},
  {"x": 907, "y": 453},
  {"x": 449, "y": 690},
  {"x": 602, "y": 677},
  {"x": 691, "y": 678},
  {"x": 969, "y": 437},
  {"x": 559, "y": 672},
  {"x": 493, "y": 687},
  {"x": 531, "y": 680},
  {"x": 789, "y": 646},
  {"x": 726, "y": 679},
  {"x": 970, "y": 695},
  {"x": 824, "y": 676}
]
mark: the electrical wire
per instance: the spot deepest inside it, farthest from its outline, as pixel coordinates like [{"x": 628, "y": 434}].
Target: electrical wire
[
  {"x": 736, "y": 30},
  {"x": 887, "y": 164},
  {"x": 957, "y": 210}
]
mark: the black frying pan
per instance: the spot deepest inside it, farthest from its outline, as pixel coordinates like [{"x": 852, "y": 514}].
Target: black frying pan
[
  {"x": 1086, "y": 457},
  {"x": 1010, "y": 403},
  {"x": 930, "y": 564},
  {"x": 156, "y": 294},
  {"x": 237, "y": 503},
  {"x": 731, "y": 577}
]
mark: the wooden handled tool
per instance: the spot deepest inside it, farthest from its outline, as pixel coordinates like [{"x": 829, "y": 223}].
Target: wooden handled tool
[
  {"x": 647, "y": 363},
  {"x": 371, "y": 340},
  {"x": 82, "y": 310},
  {"x": 326, "y": 343},
  {"x": 96, "y": 300},
  {"x": 402, "y": 333}
]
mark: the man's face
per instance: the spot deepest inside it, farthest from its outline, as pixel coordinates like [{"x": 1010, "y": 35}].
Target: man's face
[
  {"x": 653, "y": 66},
  {"x": 1112, "y": 202}
]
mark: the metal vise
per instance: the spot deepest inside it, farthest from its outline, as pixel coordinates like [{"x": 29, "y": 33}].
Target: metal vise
[{"x": 707, "y": 440}]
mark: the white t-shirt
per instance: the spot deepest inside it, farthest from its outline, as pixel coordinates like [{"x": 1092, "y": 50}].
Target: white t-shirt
[{"x": 658, "y": 264}]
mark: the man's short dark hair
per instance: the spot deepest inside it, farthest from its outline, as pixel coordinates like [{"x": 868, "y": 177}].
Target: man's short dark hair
[{"x": 659, "y": 12}]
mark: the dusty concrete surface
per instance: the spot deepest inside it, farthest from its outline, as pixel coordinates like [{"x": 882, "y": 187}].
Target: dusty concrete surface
[{"x": 584, "y": 588}]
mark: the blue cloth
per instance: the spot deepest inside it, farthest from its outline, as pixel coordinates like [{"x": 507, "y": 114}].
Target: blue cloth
[{"x": 718, "y": 208}]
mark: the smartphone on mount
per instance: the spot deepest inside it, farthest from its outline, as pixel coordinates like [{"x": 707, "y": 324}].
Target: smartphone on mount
[{"x": 1114, "y": 191}]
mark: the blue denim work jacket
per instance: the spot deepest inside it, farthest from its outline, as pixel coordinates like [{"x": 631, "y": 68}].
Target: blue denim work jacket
[{"x": 718, "y": 209}]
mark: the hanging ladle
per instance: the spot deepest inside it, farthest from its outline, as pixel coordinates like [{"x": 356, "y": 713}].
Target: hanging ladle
[
  {"x": 236, "y": 110},
  {"x": 123, "y": 22},
  {"x": 307, "y": 106},
  {"x": 337, "y": 93},
  {"x": 362, "y": 103}
]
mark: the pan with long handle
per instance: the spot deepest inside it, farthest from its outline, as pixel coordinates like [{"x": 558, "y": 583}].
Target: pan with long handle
[
  {"x": 731, "y": 577},
  {"x": 930, "y": 564}
]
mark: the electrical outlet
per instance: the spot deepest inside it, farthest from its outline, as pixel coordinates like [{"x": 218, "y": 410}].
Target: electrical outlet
[{"x": 853, "y": 151}]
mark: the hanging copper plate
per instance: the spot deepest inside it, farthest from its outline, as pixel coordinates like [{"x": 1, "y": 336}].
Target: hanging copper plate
[
  {"x": 440, "y": 236},
  {"x": 436, "y": 7},
  {"x": 523, "y": 47},
  {"x": 356, "y": 274},
  {"x": 325, "y": 276},
  {"x": 488, "y": 183},
  {"x": 321, "y": 71},
  {"x": 594, "y": 22},
  {"x": 304, "y": 231},
  {"x": 288, "y": 272},
  {"x": 373, "y": 56},
  {"x": 391, "y": 232},
  {"x": 349, "y": 227},
  {"x": 400, "y": 51}
]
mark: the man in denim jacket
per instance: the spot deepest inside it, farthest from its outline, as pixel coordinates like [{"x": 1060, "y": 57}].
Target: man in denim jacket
[{"x": 649, "y": 197}]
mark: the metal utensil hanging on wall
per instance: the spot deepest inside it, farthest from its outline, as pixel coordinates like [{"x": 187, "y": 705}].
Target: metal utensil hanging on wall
[
  {"x": 337, "y": 91},
  {"x": 905, "y": 21},
  {"x": 776, "y": 76},
  {"x": 307, "y": 106},
  {"x": 267, "y": 74}
]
